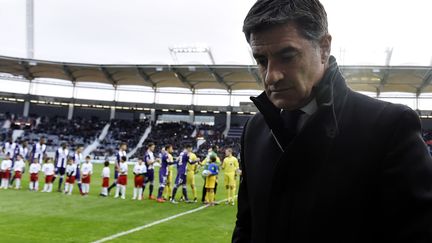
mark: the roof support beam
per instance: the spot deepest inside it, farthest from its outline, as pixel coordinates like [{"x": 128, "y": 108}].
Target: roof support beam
[
  {"x": 69, "y": 73},
  {"x": 108, "y": 76},
  {"x": 427, "y": 80},
  {"x": 182, "y": 78},
  {"x": 386, "y": 74},
  {"x": 146, "y": 77},
  {"x": 27, "y": 72},
  {"x": 219, "y": 78}
]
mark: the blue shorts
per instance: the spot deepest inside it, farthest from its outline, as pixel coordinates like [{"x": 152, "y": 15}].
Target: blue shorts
[
  {"x": 60, "y": 170},
  {"x": 116, "y": 174},
  {"x": 78, "y": 175},
  {"x": 180, "y": 179},
  {"x": 163, "y": 175},
  {"x": 149, "y": 176}
]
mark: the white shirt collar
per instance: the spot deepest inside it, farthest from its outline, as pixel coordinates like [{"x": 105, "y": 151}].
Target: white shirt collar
[{"x": 310, "y": 108}]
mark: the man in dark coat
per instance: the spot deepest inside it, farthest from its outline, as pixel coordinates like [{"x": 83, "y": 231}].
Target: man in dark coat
[{"x": 320, "y": 162}]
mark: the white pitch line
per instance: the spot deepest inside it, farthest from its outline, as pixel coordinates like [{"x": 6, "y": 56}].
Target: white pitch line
[{"x": 112, "y": 237}]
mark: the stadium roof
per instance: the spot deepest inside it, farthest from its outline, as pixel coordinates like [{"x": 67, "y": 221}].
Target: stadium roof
[{"x": 411, "y": 79}]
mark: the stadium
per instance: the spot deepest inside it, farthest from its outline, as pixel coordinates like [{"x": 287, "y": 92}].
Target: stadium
[{"x": 58, "y": 85}]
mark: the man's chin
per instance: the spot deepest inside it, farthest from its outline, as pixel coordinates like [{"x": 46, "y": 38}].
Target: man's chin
[{"x": 285, "y": 104}]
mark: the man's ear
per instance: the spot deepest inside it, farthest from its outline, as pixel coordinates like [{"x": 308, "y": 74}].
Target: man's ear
[{"x": 325, "y": 45}]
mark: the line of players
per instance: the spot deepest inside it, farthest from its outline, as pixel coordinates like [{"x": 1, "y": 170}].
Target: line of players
[{"x": 187, "y": 165}]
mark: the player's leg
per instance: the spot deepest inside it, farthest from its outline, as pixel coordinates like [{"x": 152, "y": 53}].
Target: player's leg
[
  {"x": 204, "y": 192},
  {"x": 115, "y": 181},
  {"x": 78, "y": 179},
  {"x": 151, "y": 182},
  {"x": 226, "y": 183},
  {"x": 66, "y": 189},
  {"x": 70, "y": 188},
  {"x": 176, "y": 185},
  {"x": 36, "y": 185},
  {"x": 162, "y": 183},
  {"x": 61, "y": 177},
  {"x": 18, "y": 183},
  {"x": 123, "y": 191},
  {"x": 135, "y": 190}
]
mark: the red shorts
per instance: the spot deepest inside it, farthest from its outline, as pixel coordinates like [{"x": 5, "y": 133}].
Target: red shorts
[
  {"x": 34, "y": 177},
  {"x": 105, "y": 182},
  {"x": 6, "y": 174},
  {"x": 86, "y": 179},
  {"x": 139, "y": 180},
  {"x": 122, "y": 180},
  {"x": 1, "y": 174},
  {"x": 18, "y": 174},
  {"x": 70, "y": 179},
  {"x": 49, "y": 178}
]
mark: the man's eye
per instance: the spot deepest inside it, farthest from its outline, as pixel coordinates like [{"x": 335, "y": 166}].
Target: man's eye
[{"x": 262, "y": 62}]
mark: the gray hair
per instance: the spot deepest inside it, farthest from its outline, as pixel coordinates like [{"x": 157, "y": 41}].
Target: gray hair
[{"x": 309, "y": 15}]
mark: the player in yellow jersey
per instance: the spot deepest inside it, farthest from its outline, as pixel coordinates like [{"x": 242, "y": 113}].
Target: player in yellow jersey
[
  {"x": 230, "y": 167},
  {"x": 211, "y": 152},
  {"x": 169, "y": 183},
  {"x": 191, "y": 170}
]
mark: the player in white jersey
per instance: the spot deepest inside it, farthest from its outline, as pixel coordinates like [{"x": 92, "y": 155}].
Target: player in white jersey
[
  {"x": 24, "y": 150},
  {"x": 120, "y": 153},
  {"x": 61, "y": 157},
  {"x": 105, "y": 179},
  {"x": 139, "y": 170},
  {"x": 71, "y": 170},
  {"x": 78, "y": 159},
  {"x": 9, "y": 147},
  {"x": 86, "y": 172},
  {"x": 38, "y": 151},
  {"x": 149, "y": 160},
  {"x": 5, "y": 168},
  {"x": 18, "y": 169},
  {"x": 34, "y": 169},
  {"x": 122, "y": 179},
  {"x": 48, "y": 170}
]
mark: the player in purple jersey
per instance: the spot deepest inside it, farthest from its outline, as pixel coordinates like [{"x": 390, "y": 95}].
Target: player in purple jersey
[
  {"x": 120, "y": 153},
  {"x": 166, "y": 160},
  {"x": 60, "y": 161},
  {"x": 180, "y": 180},
  {"x": 149, "y": 160},
  {"x": 78, "y": 159},
  {"x": 38, "y": 151}
]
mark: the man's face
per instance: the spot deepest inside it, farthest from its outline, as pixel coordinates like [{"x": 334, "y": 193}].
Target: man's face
[
  {"x": 227, "y": 152},
  {"x": 152, "y": 148},
  {"x": 123, "y": 147},
  {"x": 289, "y": 64},
  {"x": 42, "y": 141},
  {"x": 170, "y": 150}
]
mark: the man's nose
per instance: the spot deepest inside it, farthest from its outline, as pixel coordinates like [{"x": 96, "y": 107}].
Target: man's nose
[{"x": 273, "y": 74}]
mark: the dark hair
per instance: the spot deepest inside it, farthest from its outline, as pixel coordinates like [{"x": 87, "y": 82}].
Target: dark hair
[
  {"x": 309, "y": 15},
  {"x": 213, "y": 158},
  {"x": 106, "y": 163},
  {"x": 123, "y": 158},
  {"x": 168, "y": 146},
  {"x": 88, "y": 157},
  {"x": 214, "y": 148},
  {"x": 150, "y": 144},
  {"x": 188, "y": 145}
]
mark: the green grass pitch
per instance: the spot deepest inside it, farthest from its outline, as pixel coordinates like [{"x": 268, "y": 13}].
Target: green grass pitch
[{"x": 54, "y": 217}]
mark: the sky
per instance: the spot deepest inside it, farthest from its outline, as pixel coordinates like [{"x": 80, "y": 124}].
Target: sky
[{"x": 142, "y": 31}]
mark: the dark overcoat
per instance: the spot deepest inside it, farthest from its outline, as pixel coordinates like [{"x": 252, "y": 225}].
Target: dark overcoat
[{"x": 358, "y": 171}]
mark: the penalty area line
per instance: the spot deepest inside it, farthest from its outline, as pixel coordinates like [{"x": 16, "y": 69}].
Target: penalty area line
[{"x": 112, "y": 237}]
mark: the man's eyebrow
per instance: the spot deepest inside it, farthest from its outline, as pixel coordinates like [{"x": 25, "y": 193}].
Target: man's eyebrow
[
  {"x": 282, "y": 51},
  {"x": 289, "y": 49}
]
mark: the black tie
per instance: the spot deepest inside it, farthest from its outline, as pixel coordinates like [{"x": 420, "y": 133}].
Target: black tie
[{"x": 290, "y": 121}]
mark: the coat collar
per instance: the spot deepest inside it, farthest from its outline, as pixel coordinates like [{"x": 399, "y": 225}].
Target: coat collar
[{"x": 330, "y": 95}]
